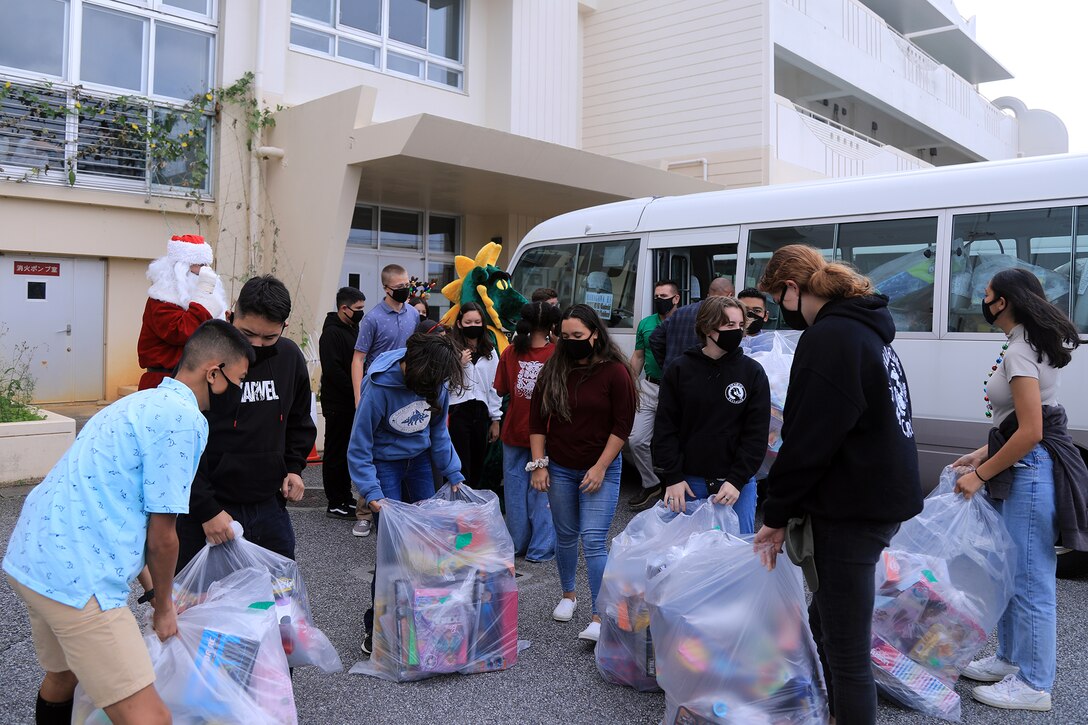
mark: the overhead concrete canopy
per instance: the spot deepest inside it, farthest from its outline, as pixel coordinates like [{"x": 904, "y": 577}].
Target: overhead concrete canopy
[{"x": 429, "y": 162}]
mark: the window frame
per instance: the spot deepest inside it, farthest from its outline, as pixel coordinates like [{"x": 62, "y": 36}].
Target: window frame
[{"x": 384, "y": 45}]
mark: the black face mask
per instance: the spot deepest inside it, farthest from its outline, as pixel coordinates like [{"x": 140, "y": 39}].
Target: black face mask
[
  {"x": 577, "y": 349},
  {"x": 663, "y": 306},
  {"x": 728, "y": 340},
  {"x": 233, "y": 391},
  {"x": 755, "y": 326},
  {"x": 357, "y": 316},
  {"x": 793, "y": 318},
  {"x": 987, "y": 313},
  {"x": 473, "y": 332},
  {"x": 399, "y": 295},
  {"x": 263, "y": 353}
]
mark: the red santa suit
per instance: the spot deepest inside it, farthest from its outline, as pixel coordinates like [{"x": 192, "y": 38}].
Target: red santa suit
[{"x": 178, "y": 302}]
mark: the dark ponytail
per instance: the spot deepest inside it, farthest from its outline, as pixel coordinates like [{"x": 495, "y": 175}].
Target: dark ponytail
[
  {"x": 535, "y": 317},
  {"x": 1048, "y": 329}
]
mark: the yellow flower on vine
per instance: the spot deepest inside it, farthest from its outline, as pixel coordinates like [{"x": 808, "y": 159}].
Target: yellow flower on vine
[
  {"x": 207, "y": 96},
  {"x": 7, "y": 85},
  {"x": 184, "y": 145},
  {"x": 134, "y": 127},
  {"x": 78, "y": 105}
]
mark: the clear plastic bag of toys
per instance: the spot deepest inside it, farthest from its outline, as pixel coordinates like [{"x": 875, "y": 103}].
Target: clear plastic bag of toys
[
  {"x": 732, "y": 639},
  {"x": 941, "y": 586},
  {"x": 625, "y": 650},
  {"x": 445, "y": 598},
  {"x": 303, "y": 642},
  {"x": 225, "y": 665},
  {"x": 774, "y": 352}
]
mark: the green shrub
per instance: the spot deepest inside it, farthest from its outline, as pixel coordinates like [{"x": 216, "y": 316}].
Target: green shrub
[{"x": 16, "y": 383}]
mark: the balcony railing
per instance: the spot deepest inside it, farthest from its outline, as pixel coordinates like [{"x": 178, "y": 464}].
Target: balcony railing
[{"x": 59, "y": 134}]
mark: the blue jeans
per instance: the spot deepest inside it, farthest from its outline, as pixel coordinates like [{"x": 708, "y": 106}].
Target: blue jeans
[
  {"x": 1027, "y": 634},
  {"x": 582, "y": 515},
  {"x": 528, "y": 516},
  {"x": 409, "y": 480},
  {"x": 744, "y": 508}
]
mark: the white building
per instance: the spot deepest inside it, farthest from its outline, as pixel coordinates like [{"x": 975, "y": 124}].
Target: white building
[{"x": 411, "y": 130}]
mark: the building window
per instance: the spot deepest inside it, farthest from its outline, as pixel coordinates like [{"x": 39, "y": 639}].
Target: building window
[
  {"x": 58, "y": 87},
  {"x": 418, "y": 38}
]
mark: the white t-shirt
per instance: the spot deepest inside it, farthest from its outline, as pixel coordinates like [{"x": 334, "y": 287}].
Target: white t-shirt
[{"x": 1021, "y": 360}]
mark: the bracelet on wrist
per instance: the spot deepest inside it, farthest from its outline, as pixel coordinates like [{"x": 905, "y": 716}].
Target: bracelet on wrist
[
  {"x": 979, "y": 476},
  {"x": 535, "y": 464}
]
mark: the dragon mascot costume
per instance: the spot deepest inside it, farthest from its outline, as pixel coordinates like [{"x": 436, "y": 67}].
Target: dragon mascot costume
[{"x": 481, "y": 281}]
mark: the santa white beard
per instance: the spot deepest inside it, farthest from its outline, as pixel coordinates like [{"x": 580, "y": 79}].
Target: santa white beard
[{"x": 173, "y": 282}]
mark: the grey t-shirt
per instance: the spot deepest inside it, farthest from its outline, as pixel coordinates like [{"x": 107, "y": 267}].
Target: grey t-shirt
[{"x": 1021, "y": 360}]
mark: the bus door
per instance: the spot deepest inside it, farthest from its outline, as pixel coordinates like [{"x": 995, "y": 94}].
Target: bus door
[{"x": 693, "y": 259}]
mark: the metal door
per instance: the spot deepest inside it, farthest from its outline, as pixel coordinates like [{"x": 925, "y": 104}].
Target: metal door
[
  {"x": 55, "y": 305},
  {"x": 362, "y": 269}
]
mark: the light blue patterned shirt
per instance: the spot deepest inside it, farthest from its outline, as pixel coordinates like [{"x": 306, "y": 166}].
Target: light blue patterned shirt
[{"x": 83, "y": 530}]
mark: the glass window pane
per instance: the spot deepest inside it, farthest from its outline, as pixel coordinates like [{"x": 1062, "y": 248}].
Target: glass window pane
[
  {"x": 1079, "y": 302},
  {"x": 41, "y": 51},
  {"x": 401, "y": 230},
  {"x": 898, "y": 256},
  {"x": 694, "y": 268},
  {"x": 442, "y": 234},
  {"x": 605, "y": 280},
  {"x": 113, "y": 49},
  {"x": 306, "y": 38},
  {"x": 404, "y": 64},
  {"x": 32, "y": 127},
  {"x": 1039, "y": 240},
  {"x": 442, "y": 273},
  {"x": 551, "y": 266},
  {"x": 444, "y": 29},
  {"x": 358, "y": 52},
  {"x": 408, "y": 22},
  {"x": 320, "y": 10},
  {"x": 445, "y": 76},
  {"x": 182, "y": 62},
  {"x": 762, "y": 243},
  {"x": 108, "y": 144},
  {"x": 182, "y": 160},
  {"x": 362, "y": 15},
  {"x": 200, "y": 7},
  {"x": 364, "y": 231}
]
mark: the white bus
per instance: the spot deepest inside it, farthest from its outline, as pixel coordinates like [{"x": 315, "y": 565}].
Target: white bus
[{"x": 930, "y": 240}]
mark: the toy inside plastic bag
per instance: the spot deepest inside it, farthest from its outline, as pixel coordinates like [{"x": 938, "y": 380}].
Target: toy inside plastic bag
[
  {"x": 733, "y": 641},
  {"x": 225, "y": 665},
  {"x": 774, "y": 352},
  {"x": 303, "y": 642},
  {"x": 941, "y": 586},
  {"x": 625, "y": 650},
  {"x": 445, "y": 598}
]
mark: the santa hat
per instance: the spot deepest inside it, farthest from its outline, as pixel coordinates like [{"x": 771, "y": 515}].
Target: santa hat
[{"x": 190, "y": 249}]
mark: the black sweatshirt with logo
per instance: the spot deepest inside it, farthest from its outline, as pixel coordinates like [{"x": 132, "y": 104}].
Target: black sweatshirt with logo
[
  {"x": 848, "y": 450},
  {"x": 256, "y": 436},
  {"x": 712, "y": 418}
]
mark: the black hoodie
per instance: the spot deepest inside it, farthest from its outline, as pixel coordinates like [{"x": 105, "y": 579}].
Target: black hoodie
[
  {"x": 848, "y": 449},
  {"x": 256, "y": 437},
  {"x": 336, "y": 348},
  {"x": 712, "y": 418}
]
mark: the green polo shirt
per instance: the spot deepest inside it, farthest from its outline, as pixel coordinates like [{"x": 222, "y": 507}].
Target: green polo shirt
[{"x": 642, "y": 342}]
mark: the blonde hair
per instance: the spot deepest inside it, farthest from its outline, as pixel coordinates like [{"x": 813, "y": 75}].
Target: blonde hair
[
  {"x": 812, "y": 273},
  {"x": 712, "y": 313}
]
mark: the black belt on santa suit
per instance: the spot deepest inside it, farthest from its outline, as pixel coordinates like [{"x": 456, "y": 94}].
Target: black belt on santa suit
[{"x": 165, "y": 371}]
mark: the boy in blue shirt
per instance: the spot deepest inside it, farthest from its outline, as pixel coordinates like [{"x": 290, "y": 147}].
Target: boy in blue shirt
[
  {"x": 400, "y": 429},
  {"x": 107, "y": 507}
]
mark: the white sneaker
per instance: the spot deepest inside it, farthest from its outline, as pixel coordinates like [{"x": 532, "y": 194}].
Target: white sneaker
[
  {"x": 989, "y": 669},
  {"x": 564, "y": 611},
  {"x": 1012, "y": 693},
  {"x": 592, "y": 633}
]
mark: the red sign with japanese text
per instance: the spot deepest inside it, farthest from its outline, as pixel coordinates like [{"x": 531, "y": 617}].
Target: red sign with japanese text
[{"x": 38, "y": 269}]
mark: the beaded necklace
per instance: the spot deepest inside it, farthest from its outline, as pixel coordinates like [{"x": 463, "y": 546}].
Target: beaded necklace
[{"x": 986, "y": 382}]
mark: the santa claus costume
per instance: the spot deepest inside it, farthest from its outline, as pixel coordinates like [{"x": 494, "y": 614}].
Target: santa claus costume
[{"x": 178, "y": 302}]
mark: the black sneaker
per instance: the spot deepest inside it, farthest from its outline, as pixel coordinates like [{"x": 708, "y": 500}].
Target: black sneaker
[
  {"x": 646, "y": 499},
  {"x": 368, "y": 644},
  {"x": 340, "y": 512}
]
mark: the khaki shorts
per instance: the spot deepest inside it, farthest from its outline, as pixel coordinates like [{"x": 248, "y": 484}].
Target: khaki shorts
[{"x": 104, "y": 650}]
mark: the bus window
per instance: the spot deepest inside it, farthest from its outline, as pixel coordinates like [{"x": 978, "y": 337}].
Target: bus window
[
  {"x": 605, "y": 280},
  {"x": 1079, "y": 300},
  {"x": 551, "y": 266},
  {"x": 762, "y": 243},
  {"x": 693, "y": 268},
  {"x": 898, "y": 255},
  {"x": 1039, "y": 240}
]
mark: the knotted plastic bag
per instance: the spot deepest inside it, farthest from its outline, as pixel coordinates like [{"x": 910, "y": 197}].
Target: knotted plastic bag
[
  {"x": 732, "y": 639},
  {"x": 303, "y": 642},
  {"x": 445, "y": 598},
  {"x": 625, "y": 650},
  {"x": 941, "y": 586},
  {"x": 225, "y": 665}
]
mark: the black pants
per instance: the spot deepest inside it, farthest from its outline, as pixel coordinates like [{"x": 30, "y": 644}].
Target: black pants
[
  {"x": 469, "y": 422},
  {"x": 266, "y": 524},
  {"x": 334, "y": 459},
  {"x": 841, "y": 614}
]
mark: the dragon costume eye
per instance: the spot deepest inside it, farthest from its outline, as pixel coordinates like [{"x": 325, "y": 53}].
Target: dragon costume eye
[{"x": 502, "y": 284}]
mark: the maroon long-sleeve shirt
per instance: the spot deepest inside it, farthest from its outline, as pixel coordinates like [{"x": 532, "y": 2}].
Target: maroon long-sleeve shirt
[{"x": 602, "y": 401}]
